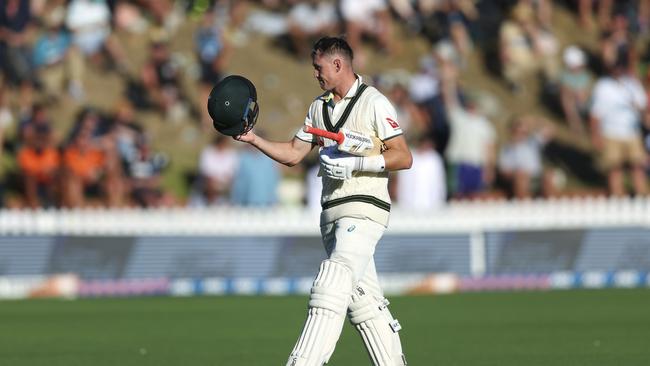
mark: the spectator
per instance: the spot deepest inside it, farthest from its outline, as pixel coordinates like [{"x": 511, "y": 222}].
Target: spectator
[
  {"x": 310, "y": 19},
  {"x": 256, "y": 181},
  {"x": 520, "y": 159},
  {"x": 144, "y": 176},
  {"x": 471, "y": 149},
  {"x": 15, "y": 50},
  {"x": 90, "y": 165},
  {"x": 526, "y": 48},
  {"x": 367, "y": 18},
  {"x": 162, "y": 81},
  {"x": 217, "y": 167},
  {"x": 56, "y": 61},
  {"x": 619, "y": 101},
  {"x": 213, "y": 52},
  {"x": 423, "y": 187},
  {"x": 38, "y": 161},
  {"x": 90, "y": 24},
  {"x": 575, "y": 89},
  {"x": 410, "y": 116},
  {"x": 617, "y": 43}
]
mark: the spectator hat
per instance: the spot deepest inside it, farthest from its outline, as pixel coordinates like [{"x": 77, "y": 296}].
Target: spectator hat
[
  {"x": 232, "y": 104},
  {"x": 574, "y": 57}
]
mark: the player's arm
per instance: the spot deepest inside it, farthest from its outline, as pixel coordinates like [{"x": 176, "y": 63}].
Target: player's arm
[
  {"x": 288, "y": 153},
  {"x": 397, "y": 154}
]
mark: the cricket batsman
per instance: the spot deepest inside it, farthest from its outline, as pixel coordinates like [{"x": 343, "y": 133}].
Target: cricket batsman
[{"x": 355, "y": 199}]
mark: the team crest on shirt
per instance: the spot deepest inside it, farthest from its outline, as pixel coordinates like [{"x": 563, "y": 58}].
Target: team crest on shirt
[{"x": 392, "y": 123}]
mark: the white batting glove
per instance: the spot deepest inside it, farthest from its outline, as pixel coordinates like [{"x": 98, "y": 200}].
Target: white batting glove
[{"x": 337, "y": 166}]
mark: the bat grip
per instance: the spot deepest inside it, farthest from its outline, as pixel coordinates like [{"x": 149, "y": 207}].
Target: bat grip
[{"x": 336, "y": 136}]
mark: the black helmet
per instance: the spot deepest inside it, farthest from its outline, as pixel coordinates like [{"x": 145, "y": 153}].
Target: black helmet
[{"x": 233, "y": 105}]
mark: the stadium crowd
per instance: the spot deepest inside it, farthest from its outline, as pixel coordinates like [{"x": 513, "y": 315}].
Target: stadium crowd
[{"x": 599, "y": 90}]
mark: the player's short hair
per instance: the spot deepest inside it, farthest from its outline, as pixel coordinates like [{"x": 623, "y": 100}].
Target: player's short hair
[{"x": 331, "y": 46}]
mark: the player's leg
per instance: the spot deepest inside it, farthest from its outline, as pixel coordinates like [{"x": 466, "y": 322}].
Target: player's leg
[
  {"x": 354, "y": 243},
  {"x": 328, "y": 302},
  {"x": 349, "y": 252},
  {"x": 368, "y": 312}
]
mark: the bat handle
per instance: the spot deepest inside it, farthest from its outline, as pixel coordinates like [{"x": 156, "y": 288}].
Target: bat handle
[{"x": 338, "y": 137}]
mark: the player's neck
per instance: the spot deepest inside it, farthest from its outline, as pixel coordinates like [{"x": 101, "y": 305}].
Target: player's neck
[{"x": 343, "y": 88}]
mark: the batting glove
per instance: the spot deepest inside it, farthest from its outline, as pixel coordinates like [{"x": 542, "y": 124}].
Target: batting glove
[{"x": 341, "y": 166}]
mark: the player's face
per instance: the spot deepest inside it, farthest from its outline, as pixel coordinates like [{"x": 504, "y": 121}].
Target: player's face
[{"x": 325, "y": 71}]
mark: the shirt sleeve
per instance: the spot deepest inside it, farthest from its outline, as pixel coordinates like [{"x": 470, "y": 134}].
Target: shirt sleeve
[
  {"x": 385, "y": 119},
  {"x": 301, "y": 134}
]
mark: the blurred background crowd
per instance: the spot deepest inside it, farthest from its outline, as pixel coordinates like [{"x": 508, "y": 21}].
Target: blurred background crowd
[{"x": 102, "y": 102}]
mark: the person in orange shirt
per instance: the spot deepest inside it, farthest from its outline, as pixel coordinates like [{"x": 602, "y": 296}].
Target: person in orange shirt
[
  {"x": 39, "y": 163},
  {"x": 83, "y": 166}
]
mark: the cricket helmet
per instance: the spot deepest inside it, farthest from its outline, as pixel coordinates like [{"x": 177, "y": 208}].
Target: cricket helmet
[{"x": 232, "y": 104}]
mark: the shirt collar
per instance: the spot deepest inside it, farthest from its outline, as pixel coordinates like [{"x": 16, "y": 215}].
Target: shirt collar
[{"x": 329, "y": 96}]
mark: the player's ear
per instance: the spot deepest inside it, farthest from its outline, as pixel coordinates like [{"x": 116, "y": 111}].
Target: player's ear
[{"x": 337, "y": 64}]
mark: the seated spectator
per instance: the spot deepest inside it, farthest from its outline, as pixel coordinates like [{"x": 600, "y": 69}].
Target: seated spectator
[
  {"x": 38, "y": 161},
  {"x": 90, "y": 24},
  {"x": 411, "y": 118},
  {"x": 256, "y": 180},
  {"x": 310, "y": 19},
  {"x": 83, "y": 166},
  {"x": 90, "y": 164},
  {"x": 15, "y": 50},
  {"x": 213, "y": 52},
  {"x": 367, "y": 18},
  {"x": 30, "y": 123},
  {"x": 217, "y": 167},
  {"x": 520, "y": 159},
  {"x": 423, "y": 187},
  {"x": 471, "y": 149},
  {"x": 56, "y": 61},
  {"x": 616, "y": 43},
  {"x": 575, "y": 89},
  {"x": 145, "y": 178},
  {"x": 162, "y": 81},
  {"x": 526, "y": 48},
  {"x": 619, "y": 102}
]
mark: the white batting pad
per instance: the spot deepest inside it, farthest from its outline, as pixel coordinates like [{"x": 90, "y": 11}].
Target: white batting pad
[
  {"x": 377, "y": 327},
  {"x": 329, "y": 299}
]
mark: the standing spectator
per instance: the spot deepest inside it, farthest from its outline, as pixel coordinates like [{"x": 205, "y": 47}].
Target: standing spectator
[
  {"x": 520, "y": 159},
  {"x": 256, "y": 181},
  {"x": 213, "y": 52},
  {"x": 618, "y": 104},
  {"x": 471, "y": 149},
  {"x": 423, "y": 187},
  {"x": 575, "y": 89},
  {"x": 38, "y": 161},
  {"x": 15, "y": 50}
]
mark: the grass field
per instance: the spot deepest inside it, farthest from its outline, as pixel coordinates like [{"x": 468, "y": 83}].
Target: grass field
[{"x": 601, "y": 327}]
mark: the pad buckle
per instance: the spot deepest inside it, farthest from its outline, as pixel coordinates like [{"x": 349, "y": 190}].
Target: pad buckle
[{"x": 395, "y": 326}]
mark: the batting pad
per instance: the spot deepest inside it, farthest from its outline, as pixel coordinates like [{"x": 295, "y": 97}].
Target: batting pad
[
  {"x": 328, "y": 302},
  {"x": 377, "y": 328}
]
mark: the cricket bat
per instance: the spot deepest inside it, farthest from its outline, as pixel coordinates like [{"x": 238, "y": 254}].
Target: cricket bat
[{"x": 351, "y": 142}]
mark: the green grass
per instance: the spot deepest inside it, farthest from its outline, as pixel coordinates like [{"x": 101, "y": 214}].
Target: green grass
[{"x": 604, "y": 327}]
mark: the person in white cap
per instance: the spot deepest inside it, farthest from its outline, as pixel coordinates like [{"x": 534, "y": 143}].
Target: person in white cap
[{"x": 575, "y": 88}]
